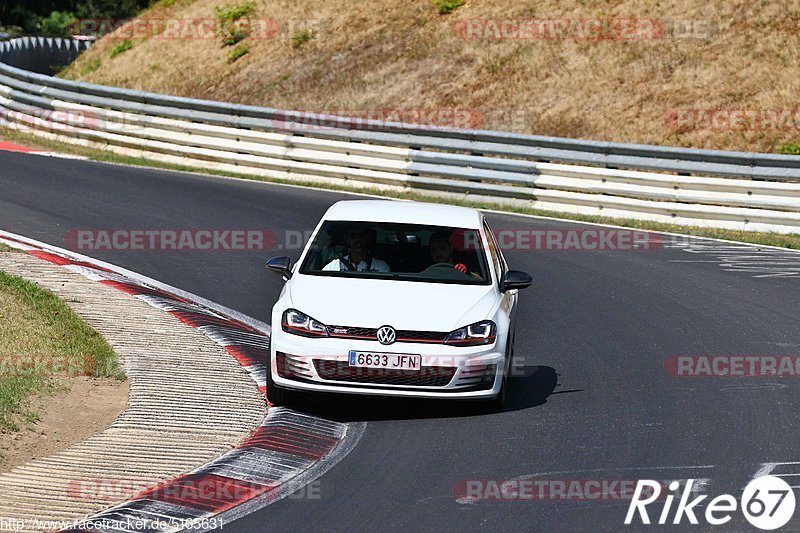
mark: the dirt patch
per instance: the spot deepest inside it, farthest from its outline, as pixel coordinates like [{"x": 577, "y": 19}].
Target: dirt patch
[{"x": 82, "y": 407}]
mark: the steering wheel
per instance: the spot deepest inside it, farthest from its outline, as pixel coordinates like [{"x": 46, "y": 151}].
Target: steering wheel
[{"x": 459, "y": 267}]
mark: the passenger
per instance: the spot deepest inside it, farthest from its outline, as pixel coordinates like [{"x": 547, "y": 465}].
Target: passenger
[{"x": 359, "y": 259}]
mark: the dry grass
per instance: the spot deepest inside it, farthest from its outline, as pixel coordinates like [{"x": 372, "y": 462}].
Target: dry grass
[
  {"x": 404, "y": 55},
  {"x": 34, "y": 323},
  {"x": 4, "y": 248}
]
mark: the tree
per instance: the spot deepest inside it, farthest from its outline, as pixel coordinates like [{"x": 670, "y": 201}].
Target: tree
[{"x": 46, "y": 17}]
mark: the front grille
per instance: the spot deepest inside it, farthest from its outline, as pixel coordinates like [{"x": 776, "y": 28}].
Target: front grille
[
  {"x": 420, "y": 336},
  {"x": 427, "y": 376},
  {"x": 403, "y": 335}
]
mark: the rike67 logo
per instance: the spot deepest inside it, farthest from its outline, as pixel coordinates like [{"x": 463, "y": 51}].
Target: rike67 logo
[{"x": 767, "y": 503}]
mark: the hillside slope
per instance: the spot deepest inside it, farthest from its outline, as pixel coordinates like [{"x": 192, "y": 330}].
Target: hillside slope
[{"x": 658, "y": 74}]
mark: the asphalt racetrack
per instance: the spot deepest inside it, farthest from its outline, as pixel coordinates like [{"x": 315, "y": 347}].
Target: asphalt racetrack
[{"x": 592, "y": 399}]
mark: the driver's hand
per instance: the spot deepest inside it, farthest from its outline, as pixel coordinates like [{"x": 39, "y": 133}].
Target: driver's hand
[{"x": 461, "y": 267}]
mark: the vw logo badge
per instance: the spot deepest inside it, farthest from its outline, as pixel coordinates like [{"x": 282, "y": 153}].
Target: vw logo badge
[{"x": 386, "y": 335}]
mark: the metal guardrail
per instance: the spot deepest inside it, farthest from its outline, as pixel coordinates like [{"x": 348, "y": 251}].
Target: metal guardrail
[
  {"x": 41, "y": 54},
  {"x": 715, "y": 188}
]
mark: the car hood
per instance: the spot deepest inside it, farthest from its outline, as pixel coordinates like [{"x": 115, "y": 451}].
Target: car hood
[{"x": 410, "y": 305}]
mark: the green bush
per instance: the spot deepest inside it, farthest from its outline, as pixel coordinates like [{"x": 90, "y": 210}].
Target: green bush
[
  {"x": 124, "y": 46},
  {"x": 230, "y": 29},
  {"x": 790, "y": 149},
  {"x": 12, "y": 31},
  {"x": 57, "y": 24},
  {"x": 234, "y": 13},
  {"x": 237, "y": 52},
  {"x": 23, "y": 18},
  {"x": 447, "y": 6},
  {"x": 301, "y": 37},
  {"x": 110, "y": 8}
]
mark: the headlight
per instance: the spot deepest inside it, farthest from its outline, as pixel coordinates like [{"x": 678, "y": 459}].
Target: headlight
[
  {"x": 301, "y": 324},
  {"x": 472, "y": 335}
]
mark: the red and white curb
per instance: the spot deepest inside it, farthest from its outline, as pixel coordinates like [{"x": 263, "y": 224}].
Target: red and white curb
[
  {"x": 289, "y": 450},
  {"x": 6, "y": 146}
]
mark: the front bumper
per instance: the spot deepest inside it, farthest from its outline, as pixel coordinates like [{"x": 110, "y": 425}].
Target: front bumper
[{"x": 448, "y": 372}]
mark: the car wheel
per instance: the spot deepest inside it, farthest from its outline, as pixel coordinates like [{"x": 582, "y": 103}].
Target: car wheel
[{"x": 275, "y": 395}]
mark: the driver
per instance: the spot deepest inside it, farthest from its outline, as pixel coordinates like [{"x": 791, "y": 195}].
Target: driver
[
  {"x": 359, "y": 259},
  {"x": 442, "y": 251}
]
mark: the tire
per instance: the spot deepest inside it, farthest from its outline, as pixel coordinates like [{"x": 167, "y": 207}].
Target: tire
[{"x": 276, "y": 395}]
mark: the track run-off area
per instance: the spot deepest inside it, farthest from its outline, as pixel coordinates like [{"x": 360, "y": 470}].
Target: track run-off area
[{"x": 596, "y": 395}]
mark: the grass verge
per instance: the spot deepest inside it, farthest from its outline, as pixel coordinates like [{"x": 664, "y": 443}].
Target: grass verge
[
  {"x": 769, "y": 239},
  {"x": 41, "y": 339}
]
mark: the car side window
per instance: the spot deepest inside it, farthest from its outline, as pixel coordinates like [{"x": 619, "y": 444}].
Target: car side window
[{"x": 494, "y": 251}]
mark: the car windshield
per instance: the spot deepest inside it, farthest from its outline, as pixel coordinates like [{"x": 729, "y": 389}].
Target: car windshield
[{"x": 408, "y": 252}]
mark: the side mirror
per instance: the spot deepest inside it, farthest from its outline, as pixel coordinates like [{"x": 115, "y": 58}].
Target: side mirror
[
  {"x": 514, "y": 279},
  {"x": 281, "y": 266}
]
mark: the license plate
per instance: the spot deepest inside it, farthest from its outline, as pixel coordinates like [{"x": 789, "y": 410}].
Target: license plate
[{"x": 391, "y": 361}]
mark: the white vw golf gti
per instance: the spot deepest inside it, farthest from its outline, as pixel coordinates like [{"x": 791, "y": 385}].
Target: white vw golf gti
[{"x": 395, "y": 299}]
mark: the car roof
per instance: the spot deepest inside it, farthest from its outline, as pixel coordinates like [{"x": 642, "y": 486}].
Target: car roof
[{"x": 405, "y": 211}]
